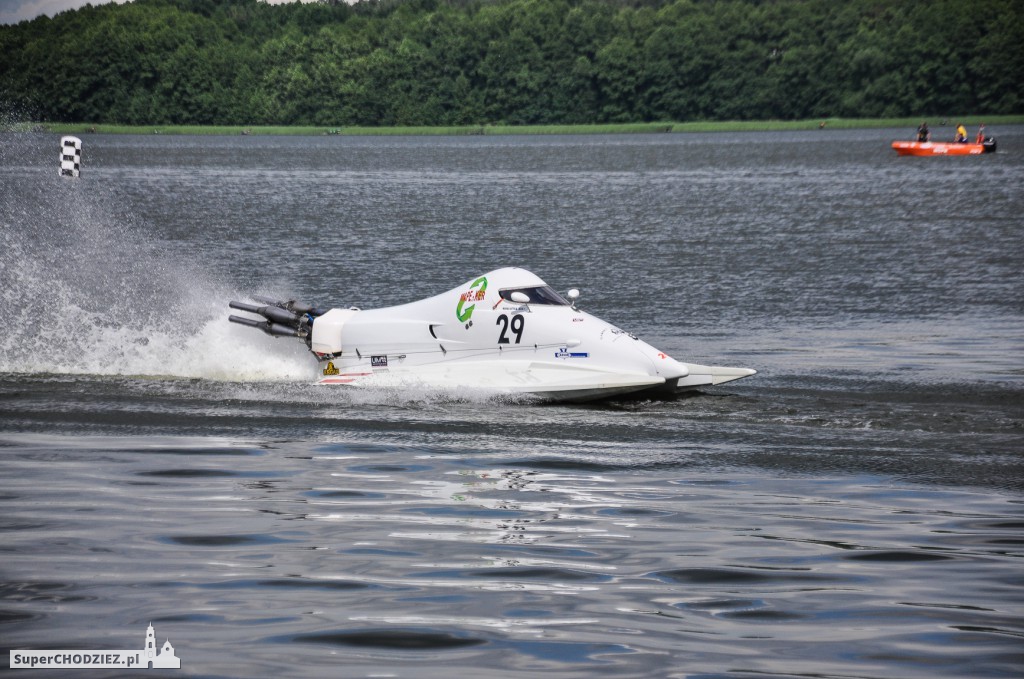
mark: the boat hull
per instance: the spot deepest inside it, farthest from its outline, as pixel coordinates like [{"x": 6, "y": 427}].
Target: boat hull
[
  {"x": 930, "y": 148},
  {"x": 542, "y": 379}
]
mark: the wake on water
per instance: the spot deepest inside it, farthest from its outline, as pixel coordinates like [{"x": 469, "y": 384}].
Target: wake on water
[{"x": 87, "y": 289}]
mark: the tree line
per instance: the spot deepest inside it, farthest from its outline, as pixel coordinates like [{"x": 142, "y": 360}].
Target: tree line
[{"x": 477, "y": 62}]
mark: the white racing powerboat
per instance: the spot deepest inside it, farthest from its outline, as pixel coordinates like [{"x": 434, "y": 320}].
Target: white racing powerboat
[{"x": 506, "y": 331}]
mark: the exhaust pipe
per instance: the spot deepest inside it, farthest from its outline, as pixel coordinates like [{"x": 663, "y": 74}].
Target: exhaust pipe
[
  {"x": 269, "y": 327},
  {"x": 292, "y": 305},
  {"x": 274, "y": 314}
]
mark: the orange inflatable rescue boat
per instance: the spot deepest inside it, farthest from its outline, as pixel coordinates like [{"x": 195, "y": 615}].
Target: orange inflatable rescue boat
[{"x": 936, "y": 148}]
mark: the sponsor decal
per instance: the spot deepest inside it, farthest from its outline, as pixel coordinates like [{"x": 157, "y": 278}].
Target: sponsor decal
[
  {"x": 329, "y": 369},
  {"x": 476, "y": 293},
  {"x": 565, "y": 353},
  {"x": 149, "y": 657},
  {"x": 378, "y": 361}
]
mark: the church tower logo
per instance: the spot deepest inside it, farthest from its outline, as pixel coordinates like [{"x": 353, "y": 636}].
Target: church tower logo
[{"x": 164, "y": 657}]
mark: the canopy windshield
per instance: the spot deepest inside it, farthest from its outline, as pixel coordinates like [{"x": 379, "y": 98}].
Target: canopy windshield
[{"x": 542, "y": 294}]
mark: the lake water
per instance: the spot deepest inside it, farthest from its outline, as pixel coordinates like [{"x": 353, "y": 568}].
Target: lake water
[{"x": 854, "y": 510}]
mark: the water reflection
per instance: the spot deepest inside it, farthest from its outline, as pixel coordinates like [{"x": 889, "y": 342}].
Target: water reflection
[{"x": 398, "y": 552}]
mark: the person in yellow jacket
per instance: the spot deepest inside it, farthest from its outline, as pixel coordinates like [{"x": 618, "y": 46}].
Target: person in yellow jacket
[{"x": 961, "y": 134}]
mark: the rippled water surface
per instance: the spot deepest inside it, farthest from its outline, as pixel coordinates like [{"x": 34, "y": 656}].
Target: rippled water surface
[{"x": 854, "y": 510}]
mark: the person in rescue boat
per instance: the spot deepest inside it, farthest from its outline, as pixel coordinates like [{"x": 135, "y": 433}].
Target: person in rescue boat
[
  {"x": 980, "y": 139},
  {"x": 923, "y": 133},
  {"x": 961, "y": 134}
]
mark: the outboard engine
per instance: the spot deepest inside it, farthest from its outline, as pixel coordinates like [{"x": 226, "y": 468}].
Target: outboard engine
[{"x": 280, "y": 319}]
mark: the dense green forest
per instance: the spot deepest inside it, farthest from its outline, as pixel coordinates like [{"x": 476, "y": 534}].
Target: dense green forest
[{"x": 476, "y": 62}]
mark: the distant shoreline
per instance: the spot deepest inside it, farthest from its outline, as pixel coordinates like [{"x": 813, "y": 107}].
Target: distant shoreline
[{"x": 498, "y": 130}]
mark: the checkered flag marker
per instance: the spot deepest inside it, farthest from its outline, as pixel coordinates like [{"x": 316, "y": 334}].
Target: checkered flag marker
[{"x": 70, "y": 156}]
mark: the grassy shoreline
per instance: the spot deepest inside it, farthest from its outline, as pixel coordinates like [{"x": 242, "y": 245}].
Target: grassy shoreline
[{"x": 496, "y": 130}]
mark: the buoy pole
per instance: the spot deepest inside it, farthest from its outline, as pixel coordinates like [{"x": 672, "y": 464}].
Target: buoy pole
[{"x": 70, "y": 156}]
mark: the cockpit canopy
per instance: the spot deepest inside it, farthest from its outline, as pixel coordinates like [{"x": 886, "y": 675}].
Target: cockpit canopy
[{"x": 538, "y": 294}]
